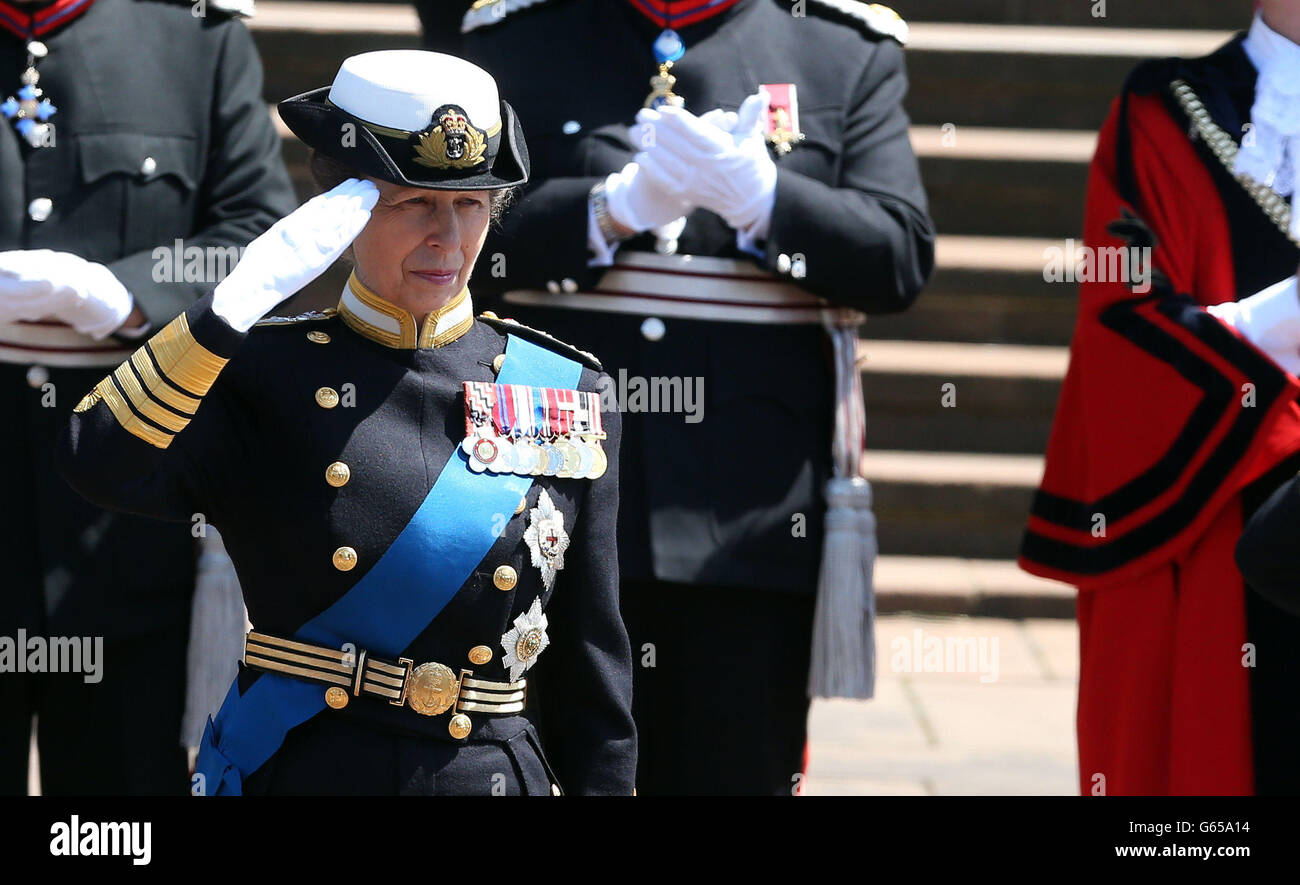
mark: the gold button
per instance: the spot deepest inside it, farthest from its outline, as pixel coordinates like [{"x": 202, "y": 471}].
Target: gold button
[
  {"x": 505, "y": 577},
  {"x": 480, "y": 654},
  {"x": 327, "y": 397},
  {"x": 338, "y": 474},
  {"x": 497, "y": 362},
  {"x": 336, "y": 697},
  {"x": 523, "y": 502},
  {"x": 345, "y": 559},
  {"x": 555, "y": 789},
  {"x": 459, "y": 726},
  {"x": 316, "y": 336}
]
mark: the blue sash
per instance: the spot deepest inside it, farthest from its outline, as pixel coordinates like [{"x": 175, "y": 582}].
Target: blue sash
[{"x": 392, "y": 604}]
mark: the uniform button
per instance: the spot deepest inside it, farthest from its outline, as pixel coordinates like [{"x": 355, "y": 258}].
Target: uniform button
[
  {"x": 505, "y": 577},
  {"x": 798, "y": 268},
  {"x": 39, "y": 209},
  {"x": 37, "y": 376},
  {"x": 653, "y": 328},
  {"x": 327, "y": 397},
  {"x": 345, "y": 559},
  {"x": 523, "y": 502},
  {"x": 497, "y": 362},
  {"x": 568, "y": 285},
  {"x": 552, "y": 287},
  {"x": 316, "y": 336},
  {"x": 38, "y": 49},
  {"x": 783, "y": 263},
  {"x": 338, "y": 474},
  {"x": 459, "y": 726},
  {"x": 149, "y": 166},
  {"x": 336, "y": 697},
  {"x": 572, "y": 127},
  {"x": 480, "y": 654},
  {"x": 555, "y": 789}
]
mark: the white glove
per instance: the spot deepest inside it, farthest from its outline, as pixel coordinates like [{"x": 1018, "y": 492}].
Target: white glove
[
  {"x": 296, "y": 250},
  {"x": 38, "y": 284},
  {"x": 1269, "y": 319},
  {"x": 639, "y": 204},
  {"x": 719, "y": 161}
]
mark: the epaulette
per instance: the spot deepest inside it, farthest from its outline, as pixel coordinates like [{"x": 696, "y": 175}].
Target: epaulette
[
  {"x": 232, "y": 8},
  {"x": 877, "y": 18},
  {"x": 309, "y": 316},
  {"x": 489, "y": 12},
  {"x": 537, "y": 336}
]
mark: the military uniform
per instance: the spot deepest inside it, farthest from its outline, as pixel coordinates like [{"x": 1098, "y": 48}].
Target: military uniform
[
  {"x": 722, "y": 520},
  {"x": 429, "y": 611},
  {"x": 160, "y": 134}
]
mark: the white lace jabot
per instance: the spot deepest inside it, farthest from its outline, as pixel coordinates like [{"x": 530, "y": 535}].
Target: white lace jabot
[{"x": 1270, "y": 151}]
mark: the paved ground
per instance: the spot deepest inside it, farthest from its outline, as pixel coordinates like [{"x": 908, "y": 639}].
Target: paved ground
[
  {"x": 956, "y": 727},
  {"x": 987, "y": 708}
]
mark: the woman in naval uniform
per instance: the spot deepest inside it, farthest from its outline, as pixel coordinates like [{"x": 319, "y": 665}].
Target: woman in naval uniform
[{"x": 420, "y": 503}]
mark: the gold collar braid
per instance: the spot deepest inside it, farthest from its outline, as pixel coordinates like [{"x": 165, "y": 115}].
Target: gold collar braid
[{"x": 379, "y": 320}]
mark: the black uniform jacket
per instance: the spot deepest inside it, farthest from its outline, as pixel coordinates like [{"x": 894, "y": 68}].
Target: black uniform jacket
[
  {"x": 253, "y": 462},
  {"x": 161, "y": 134},
  {"x": 718, "y": 501}
]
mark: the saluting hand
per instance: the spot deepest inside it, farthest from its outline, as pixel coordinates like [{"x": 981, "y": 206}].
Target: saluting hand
[
  {"x": 719, "y": 161},
  {"x": 294, "y": 251},
  {"x": 37, "y": 284}
]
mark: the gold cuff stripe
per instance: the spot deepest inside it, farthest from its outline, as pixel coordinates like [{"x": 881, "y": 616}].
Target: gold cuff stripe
[
  {"x": 144, "y": 404},
  {"x": 158, "y": 386},
  {"x": 182, "y": 360},
  {"x": 128, "y": 419}
]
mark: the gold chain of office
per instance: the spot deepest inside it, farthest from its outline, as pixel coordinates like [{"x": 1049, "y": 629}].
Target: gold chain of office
[{"x": 1225, "y": 150}]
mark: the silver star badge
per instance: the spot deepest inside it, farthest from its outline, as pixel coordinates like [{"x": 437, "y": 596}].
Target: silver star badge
[
  {"x": 546, "y": 538},
  {"x": 525, "y": 641}
]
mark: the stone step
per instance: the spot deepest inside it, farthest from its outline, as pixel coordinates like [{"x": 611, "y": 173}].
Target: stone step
[
  {"x": 976, "y": 587},
  {"x": 951, "y": 504},
  {"x": 1031, "y": 76},
  {"x": 959, "y": 397},
  {"x": 1090, "y": 13}
]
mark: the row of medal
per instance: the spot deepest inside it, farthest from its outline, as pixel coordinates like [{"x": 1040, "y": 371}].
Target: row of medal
[{"x": 533, "y": 431}]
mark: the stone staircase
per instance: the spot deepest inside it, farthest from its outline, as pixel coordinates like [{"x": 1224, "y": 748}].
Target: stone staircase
[{"x": 1006, "y": 97}]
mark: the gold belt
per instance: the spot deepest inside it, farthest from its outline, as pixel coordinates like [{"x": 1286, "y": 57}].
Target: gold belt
[{"x": 429, "y": 689}]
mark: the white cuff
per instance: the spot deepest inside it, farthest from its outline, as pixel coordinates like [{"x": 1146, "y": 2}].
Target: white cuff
[
  {"x": 1271, "y": 317},
  {"x": 602, "y": 251}
]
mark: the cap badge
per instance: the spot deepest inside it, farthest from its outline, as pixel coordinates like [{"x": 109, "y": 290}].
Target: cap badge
[{"x": 450, "y": 142}]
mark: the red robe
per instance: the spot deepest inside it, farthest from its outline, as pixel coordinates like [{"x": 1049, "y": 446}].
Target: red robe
[{"x": 1151, "y": 432}]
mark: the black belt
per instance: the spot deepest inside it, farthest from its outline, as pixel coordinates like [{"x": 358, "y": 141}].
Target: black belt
[{"x": 429, "y": 689}]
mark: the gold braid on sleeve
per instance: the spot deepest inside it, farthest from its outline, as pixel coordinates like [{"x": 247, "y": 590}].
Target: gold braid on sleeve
[{"x": 155, "y": 393}]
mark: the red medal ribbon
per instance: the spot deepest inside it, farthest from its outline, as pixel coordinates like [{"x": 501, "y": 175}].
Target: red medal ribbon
[
  {"x": 681, "y": 13},
  {"x": 42, "y": 22}
]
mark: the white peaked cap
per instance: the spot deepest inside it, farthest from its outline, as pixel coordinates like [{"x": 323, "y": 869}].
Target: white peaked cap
[{"x": 401, "y": 88}]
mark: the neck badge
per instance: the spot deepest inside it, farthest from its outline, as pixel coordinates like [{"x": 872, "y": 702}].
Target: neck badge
[{"x": 29, "y": 110}]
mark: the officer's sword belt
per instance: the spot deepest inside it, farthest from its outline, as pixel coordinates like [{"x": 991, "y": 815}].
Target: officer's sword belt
[{"x": 429, "y": 689}]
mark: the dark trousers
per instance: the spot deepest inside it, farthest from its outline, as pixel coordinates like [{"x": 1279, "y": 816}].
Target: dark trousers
[
  {"x": 719, "y": 691},
  {"x": 116, "y": 737}
]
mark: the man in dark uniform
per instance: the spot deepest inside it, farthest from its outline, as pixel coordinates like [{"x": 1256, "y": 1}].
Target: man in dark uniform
[
  {"x": 130, "y": 125},
  {"x": 422, "y": 509},
  {"x": 813, "y": 199}
]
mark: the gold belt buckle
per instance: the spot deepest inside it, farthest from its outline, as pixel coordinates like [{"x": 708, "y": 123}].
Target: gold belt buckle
[{"x": 430, "y": 688}]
